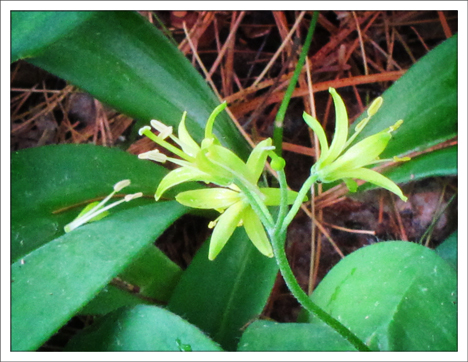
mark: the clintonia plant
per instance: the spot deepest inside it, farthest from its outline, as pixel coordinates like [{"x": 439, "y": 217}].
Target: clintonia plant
[{"x": 240, "y": 200}]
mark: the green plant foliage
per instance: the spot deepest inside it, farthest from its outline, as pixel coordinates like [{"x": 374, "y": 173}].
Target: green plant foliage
[
  {"x": 154, "y": 273},
  {"x": 67, "y": 177},
  {"x": 125, "y": 62},
  {"x": 448, "y": 250},
  {"x": 52, "y": 283},
  {"x": 109, "y": 299},
  {"x": 396, "y": 296},
  {"x": 272, "y": 336},
  {"x": 27, "y": 40},
  {"x": 441, "y": 162},
  {"x": 142, "y": 328},
  {"x": 425, "y": 97},
  {"x": 223, "y": 295}
]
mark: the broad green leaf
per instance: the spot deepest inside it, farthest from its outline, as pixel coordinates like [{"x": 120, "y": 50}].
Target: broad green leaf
[
  {"x": 425, "y": 97},
  {"x": 448, "y": 250},
  {"x": 141, "y": 328},
  {"x": 272, "y": 336},
  {"x": 125, "y": 62},
  {"x": 52, "y": 283},
  {"x": 441, "y": 162},
  {"x": 151, "y": 272},
  {"x": 396, "y": 296},
  {"x": 222, "y": 296},
  {"x": 109, "y": 299},
  {"x": 154, "y": 274},
  {"x": 34, "y": 30},
  {"x": 48, "y": 179}
]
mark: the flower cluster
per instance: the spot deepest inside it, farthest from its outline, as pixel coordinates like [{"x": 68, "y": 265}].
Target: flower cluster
[
  {"x": 336, "y": 162},
  {"x": 210, "y": 162}
]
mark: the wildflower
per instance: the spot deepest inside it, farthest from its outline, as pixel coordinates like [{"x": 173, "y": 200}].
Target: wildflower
[
  {"x": 235, "y": 211},
  {"x": 212, "y": 163},
  {"x": 337, "y": 162},
  {"x": 194, "y": 166},
  {"x": 96, "y": 210}
]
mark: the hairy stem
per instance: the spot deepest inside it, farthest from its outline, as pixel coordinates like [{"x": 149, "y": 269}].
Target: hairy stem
[
  {"x": 278, "y": 243},
  {"x": 298, "y": 202}
]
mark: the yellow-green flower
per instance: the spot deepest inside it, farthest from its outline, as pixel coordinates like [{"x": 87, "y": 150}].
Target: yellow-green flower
[
  {"x": 212, "y": 163},
  {"x": 336, "y": 162},
  {"x": 189, "y": 153},
  {"x": 235, "y": 211}
]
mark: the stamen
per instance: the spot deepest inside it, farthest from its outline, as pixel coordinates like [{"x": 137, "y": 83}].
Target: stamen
[
  {"x": 127, "y": 198},
  {"x": 359, "y": 127},
  {"x": 212, "y": 224},
  {"x": 142, "y": 130},
  {"x": 98, "y": 210},
  {"x": 164, "y": 131},
  {"x": 121, "y": 184},
  {"x": 401, "y": 159},
  {"x": 374, "y": 107},
  {"x": 362, "y": 124},
  {"x": 167, "y": 146},
  {"x": 153, "y": 155},
  {"x": 395, "y": 126}
]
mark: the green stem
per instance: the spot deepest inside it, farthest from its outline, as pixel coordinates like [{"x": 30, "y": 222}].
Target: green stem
[
  {"x": 284, "y": 199},
  {"x": 257, "y": 204},
  {"x": 298, "y": 202},
  {"x": 278, "y": 240},
  {"x": 278, "y": 131}
]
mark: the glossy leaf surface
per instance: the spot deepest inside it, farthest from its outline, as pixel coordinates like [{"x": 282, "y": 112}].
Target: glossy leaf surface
[
  {"x": 448, "y": 250},
  {"x": 441, "y": 162},
  {"x": 109, "y": 299},
  {"x": 127, "y": 63},
  {"x": 294, "y": 337},
  {"x": 426, "y": 98},
  {"x": 396, "y": 296},
  {"x": 52, "y": 283},
  {"x": 223, "y": 295},
  {"x": 142, "y": 328},
  {"x": 52, "y": 184}
]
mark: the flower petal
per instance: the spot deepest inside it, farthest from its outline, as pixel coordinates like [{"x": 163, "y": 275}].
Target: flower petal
[
  {"x": 318, "y": 129},
  {"x": 211, "y": 119},
  {"x": 375, "y": 178},
  {"x": 187, "y": 143},
  {"x": 224, "y": 228},
  {"x": 218, "y": 160},
  {"x": 256, "y": 233},
  {"x": 351, "y": 184},
  {"x": 361, "y": 154},
  {"x": 273, "y": 196},
  {"x": 341, "y": 129},
  {"x": 183, "y": 174},
  {"x": 216, "y": 198},
  {"x": 257, "y": 159}
]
